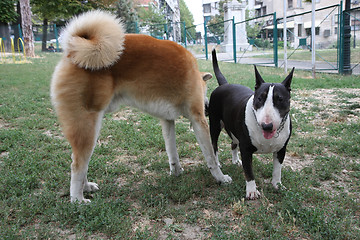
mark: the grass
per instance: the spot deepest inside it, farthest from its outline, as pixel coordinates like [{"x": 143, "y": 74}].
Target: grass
[
  {"x": 139, "y": 200},
  {"x": 329, "y": 55}
]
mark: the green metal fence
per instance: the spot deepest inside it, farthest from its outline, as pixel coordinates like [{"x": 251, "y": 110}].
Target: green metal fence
[{"x": 262, "y": 38}]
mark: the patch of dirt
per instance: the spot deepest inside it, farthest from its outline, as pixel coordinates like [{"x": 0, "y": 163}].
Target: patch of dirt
[
  {"x": 329, "y": 105},
  {"x": 50, "y": 134},
  {"x": 4, "y": 125}
]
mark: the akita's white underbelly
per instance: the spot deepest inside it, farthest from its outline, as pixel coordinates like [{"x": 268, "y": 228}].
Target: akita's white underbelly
[{"x": 159, "y": 108}]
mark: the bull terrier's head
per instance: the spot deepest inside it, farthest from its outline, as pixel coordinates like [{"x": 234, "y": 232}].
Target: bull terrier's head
[{"x": 271, "y": 104}]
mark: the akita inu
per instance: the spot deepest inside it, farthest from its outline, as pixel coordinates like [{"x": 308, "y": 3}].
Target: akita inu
[{"x": 103, "y": 67}]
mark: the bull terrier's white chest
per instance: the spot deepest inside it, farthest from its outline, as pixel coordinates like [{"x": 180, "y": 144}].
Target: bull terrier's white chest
[{"x": 255, "y": 132}]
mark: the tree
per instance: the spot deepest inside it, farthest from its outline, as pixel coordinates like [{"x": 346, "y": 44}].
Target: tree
[
  {"x": 153, "y": 19},
  {"x": 187, "y": 17},
  {"x": 126, "y": 11},
  {"x": 52, "y": 10},
  {"x": 27, "y": 28},
  {"x": 217, "y": 22},
  {"x": 7, "y": 15}
]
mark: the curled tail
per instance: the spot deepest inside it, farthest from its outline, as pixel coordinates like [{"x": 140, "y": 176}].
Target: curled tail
[
  {"x": 93, "y": 40},
  {"x": 219, "y": 76}
]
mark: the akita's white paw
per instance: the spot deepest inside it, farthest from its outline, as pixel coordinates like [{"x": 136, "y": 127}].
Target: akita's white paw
[
  {"x": 220, "y": 177},
  {"x": 81, "y": 201},
  {"x": 91, "y": 187},
  {"x": 176, "y": 171},
  {"x": 226, "y": 179},
  {"x": 278, "y": 185}
]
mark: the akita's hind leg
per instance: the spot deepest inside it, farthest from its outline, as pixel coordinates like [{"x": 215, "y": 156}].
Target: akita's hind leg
[
  {"x": 82, "y": 134},
  {"x": 201, "y": 130},
  {"x": 168, "y": 130}
]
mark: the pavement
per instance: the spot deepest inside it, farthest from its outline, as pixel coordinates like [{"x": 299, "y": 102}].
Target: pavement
[{"x": 248, "y": 58}]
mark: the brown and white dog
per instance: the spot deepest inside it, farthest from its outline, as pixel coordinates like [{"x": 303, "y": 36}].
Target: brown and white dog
[{"x": 103, "y": 67}]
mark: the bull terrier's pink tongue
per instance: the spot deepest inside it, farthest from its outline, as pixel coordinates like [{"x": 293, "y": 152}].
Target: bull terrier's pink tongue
[{"x": 268, "y": 135}]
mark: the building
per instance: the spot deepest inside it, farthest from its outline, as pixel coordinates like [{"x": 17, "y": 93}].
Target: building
[
  {"x": 299, "y": 27},
  {"x": 172, "y": 15}
]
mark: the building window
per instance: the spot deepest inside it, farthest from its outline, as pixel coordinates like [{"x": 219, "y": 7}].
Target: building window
[
  {"x": 299, "y": 30},
  {"x": 299, "y": 3},
  {"x": 207, "y": 8},
  {"x": 308, "y": 31},
  {"x": 290, "y": 3},
  {"x": 264, "y": 10}
]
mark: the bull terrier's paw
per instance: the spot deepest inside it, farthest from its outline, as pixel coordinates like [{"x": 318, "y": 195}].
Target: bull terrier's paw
[
  {"x": 91, "y": 187},
  {"x": 251, "y": 192},
  {"x": 253, "y": 195},
  {"x": 235, "y": 159}
]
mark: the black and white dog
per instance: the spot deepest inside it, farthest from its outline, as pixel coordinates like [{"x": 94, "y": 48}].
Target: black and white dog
[{"x": 257, "y": 122}]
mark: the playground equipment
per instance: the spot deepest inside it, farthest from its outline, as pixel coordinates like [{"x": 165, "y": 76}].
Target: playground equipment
[{"x": 19, "y": 57}]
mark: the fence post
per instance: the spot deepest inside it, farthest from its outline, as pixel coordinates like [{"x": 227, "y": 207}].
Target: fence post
[
  {"x": 339, "y": 40},
  {"x": 205, "y": 39},
  {"x": 166, "y": 31},
  {"x": 234, "y": 38},
  {"x": 275, "y": 40},
  {"x": 341, "y": 24},
  {"x": 57, "y": 38},
  {"x": 136, "y": 27},
  {"x": 347, "y": 39},
  {"x": 20, "y": 36},
  {"x": 184, "y": 24}
]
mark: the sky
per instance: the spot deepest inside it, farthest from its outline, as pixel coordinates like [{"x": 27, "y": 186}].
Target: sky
[{"x": 195, "y": 7}]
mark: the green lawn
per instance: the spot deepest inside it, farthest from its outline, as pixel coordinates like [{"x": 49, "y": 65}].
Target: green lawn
[{"x": 139, "y": 200}]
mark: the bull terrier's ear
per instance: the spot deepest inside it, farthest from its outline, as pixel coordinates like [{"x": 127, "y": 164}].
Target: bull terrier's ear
[
  {"x": 287, "y": 81},
  {"x": 206, "y": 76},
  {"x": 259, "y": 79}
]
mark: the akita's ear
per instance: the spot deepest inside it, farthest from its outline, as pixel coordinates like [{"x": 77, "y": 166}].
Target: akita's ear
[
  {"x": 206, "y": 76},
  {"x": 259, "y": 79},
  {"x": 287, "y": 81}
]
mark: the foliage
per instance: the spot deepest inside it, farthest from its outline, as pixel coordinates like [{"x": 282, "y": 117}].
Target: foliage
[
  {"x": 187, "y": 17},
  {"x": 252, "y": 29},
  {"x": 153, "y": 20},
  {"x": 126, "y": 11},
  {"x": 64, "y": 9},
  {"x": 7, "y": 11},
  {"x": 216, "y": 23}
]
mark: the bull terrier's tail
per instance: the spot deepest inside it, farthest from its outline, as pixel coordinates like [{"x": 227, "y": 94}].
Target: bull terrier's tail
[{"x": 219, "y": 76}]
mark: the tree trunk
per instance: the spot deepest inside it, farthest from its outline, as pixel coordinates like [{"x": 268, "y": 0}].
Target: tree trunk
[
  {"x": 44, "y": 36},
  {"x": 5, "y": 34},
  {"x": 27, "y": 28},
  {"x": 17, "y": 29}
]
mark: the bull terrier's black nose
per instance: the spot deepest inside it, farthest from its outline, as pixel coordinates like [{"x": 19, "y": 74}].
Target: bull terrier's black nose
[{"x": 267, "y": 127}]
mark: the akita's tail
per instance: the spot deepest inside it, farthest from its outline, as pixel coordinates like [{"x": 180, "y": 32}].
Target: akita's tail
[
  {"x": 93, "y": 40},
  {"x": 219, "y": 76}
]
